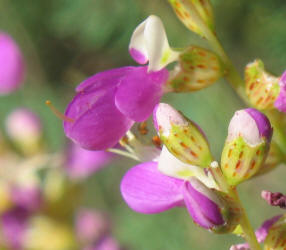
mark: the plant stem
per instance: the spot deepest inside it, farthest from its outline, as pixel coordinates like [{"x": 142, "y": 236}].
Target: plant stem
[{"x": 249, "y": 234}]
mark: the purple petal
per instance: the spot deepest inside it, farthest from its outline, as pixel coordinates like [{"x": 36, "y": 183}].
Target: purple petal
[
  {"x": 139, "y": 92},
  {"x": 11, "y": 65},
  {"x": 91, "y": 225},
  {"x": 262, "y": 122},
  {"x": 14, "y": 225},
  {"x": 262, "y": 232},
  {"x": 81, "y": 163},
  {"x": 29, "y": 198},
  {"x": 146, "y": 190},
  {"x": 138, "y": 56},
  {"x": 97, "y": 123},
  {"x": 105, "y": 79},
  {"x": 204, "y": 211},
  {"x": 106, "y": 243},
  {"x": 280, "y": 102}
]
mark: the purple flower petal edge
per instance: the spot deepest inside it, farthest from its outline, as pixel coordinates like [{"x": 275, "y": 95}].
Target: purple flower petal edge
[
  {"x": 202, "y": 209},
  {"x": 280, "y": 102},
  {"x": 148, "y": 191},
  {"x": 262, "y": 122},
  {"x": 138, "y": 56}
]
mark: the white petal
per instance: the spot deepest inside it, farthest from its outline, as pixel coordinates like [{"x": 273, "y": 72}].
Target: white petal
[
  {"x": 137, "y": 46},
  {"x": 242, "y": 124},
  {"x": 171, "y": 166},
  {"x": 149, "y": 43}
]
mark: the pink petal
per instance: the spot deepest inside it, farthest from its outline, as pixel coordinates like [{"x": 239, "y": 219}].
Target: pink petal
[
  {"x": 139, "y": 92},
  {"x": 12, "y": 68},
  {"x": 81, "y": 163},
  {"x": 105, "y": 79},
  {"x": 146, "y": 190},
  {"x": 97, "y": 123},
  {"x": 204, "y": 211}
]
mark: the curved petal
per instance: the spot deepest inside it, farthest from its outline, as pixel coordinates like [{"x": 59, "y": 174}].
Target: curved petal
[
  {"x": 202, "y": 204},
  {"x": 149, "y": 43},
  {"x": 139, "y": 92},
  {"x": 96, "y": 123},
  {"x": 171, "y": 166},
  {"x": 146, "y": 190},
  {"x": 105, "y": 79}
]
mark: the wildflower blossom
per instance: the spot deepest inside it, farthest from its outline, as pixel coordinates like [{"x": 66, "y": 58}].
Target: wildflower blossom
[{"x": 12, "y": 67}]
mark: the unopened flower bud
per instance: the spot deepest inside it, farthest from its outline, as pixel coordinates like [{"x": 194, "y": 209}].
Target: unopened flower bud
[
  {"x": 190, "y": 11},
  {"x": 183, "y": 138},
  {"x": 247, "y": 145},
  {"x": 274, "y": 199},
  {"x": 276, "y": 238},
  {"x": 198, "y": 68},
  {"x": 11, "y": 65},
  {"x": 209, "y": 208},
  {"x": 25, "y": 130},
  {"x": 262, "y": 88}
]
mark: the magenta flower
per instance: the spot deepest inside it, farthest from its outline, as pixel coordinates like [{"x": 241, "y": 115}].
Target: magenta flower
[
  {"x": 280, "y": 102},
  {"x": 146, "y": 190},
  {"x": 29, "y": 198},
  {"x": 11, "y": 65},
  {"x": 107, "y": 104},
  {"x": 91, "y": 225},
  {"x": 24, "y": 128},
  {"x": 14, "y": 224},
  {"x": 81, "y": 163}
]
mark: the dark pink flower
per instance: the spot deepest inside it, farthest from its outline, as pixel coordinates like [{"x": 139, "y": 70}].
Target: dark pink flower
[{"x": 12, "y": 67}]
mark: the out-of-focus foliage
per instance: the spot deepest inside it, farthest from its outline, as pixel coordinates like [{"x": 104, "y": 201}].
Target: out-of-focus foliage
[{"x": 64, "y": 41}]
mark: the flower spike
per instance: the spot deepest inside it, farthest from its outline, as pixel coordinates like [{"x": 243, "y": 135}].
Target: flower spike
[
  {"x": 247, "y": 145},
  {"x": 149, "y": 43},
  {"x": 182, "y": 137}
]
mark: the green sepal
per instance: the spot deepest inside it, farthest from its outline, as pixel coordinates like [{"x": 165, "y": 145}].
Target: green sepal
[
  {"x": 188, "y": 144},
  {"x": 197, "y": 68},
  {"x": 202, "y": 7},
  {"x": 231, "y": 213},
  {"x": 240, "y": 160},
  {"x": 262, "y": 88},
  {"x": 276, "y": 238}
]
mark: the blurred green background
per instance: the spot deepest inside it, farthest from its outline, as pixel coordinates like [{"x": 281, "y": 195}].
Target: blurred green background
[{"x": 64, "y": 41}]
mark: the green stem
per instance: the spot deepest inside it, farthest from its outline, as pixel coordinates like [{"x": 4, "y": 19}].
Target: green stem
[{"x": 249, "y": 234}]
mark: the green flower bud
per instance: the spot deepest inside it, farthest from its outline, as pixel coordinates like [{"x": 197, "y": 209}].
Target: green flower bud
[
  {"x": 183, "y": 138},
  {"x": 262, "y": 88},
  {"x": 276, "y": 238},
  {"x": 246, "y": 146},
  {"x": 190, "y": 10},
  {"x": 198, "y": 68}
]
